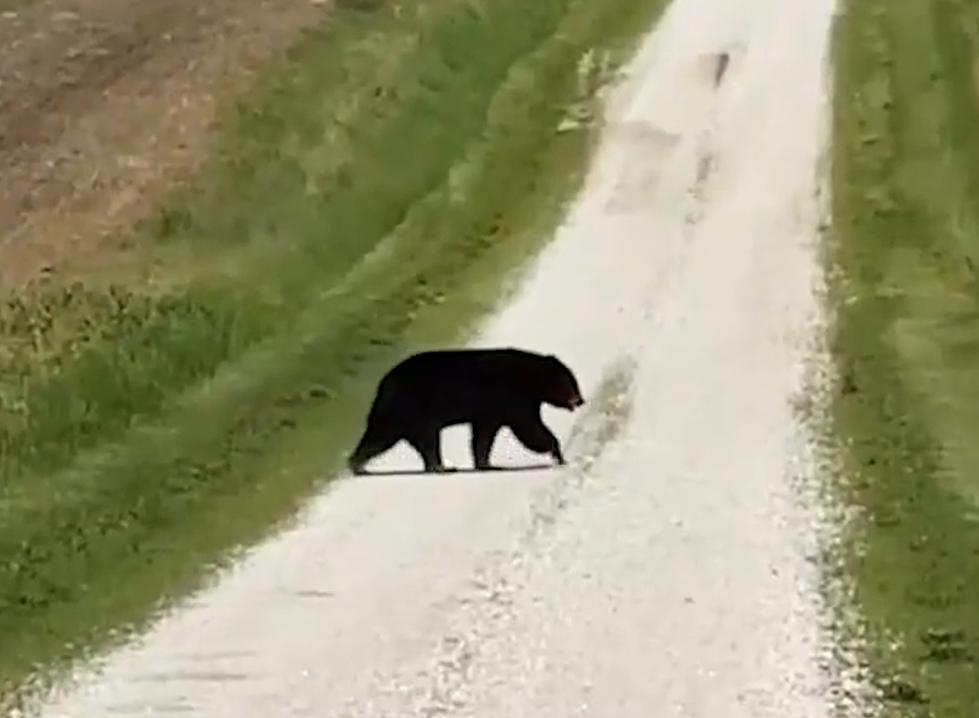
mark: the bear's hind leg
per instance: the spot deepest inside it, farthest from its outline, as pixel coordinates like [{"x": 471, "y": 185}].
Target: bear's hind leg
[
  {"x": 532, "y": 433},
  {"x": 428, "y": 443},
  {"x": 373, "y": 443},
  {"x": 483, "y": 435}
]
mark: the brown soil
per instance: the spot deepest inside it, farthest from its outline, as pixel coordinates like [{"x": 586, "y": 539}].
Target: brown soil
[{"x": 106, "y": 105}]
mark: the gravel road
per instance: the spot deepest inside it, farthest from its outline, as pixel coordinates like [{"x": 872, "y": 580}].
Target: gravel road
[{"x": 668, "y": 570}]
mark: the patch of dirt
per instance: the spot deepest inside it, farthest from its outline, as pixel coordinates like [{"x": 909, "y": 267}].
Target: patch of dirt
[{"x": 106, "y": 105}]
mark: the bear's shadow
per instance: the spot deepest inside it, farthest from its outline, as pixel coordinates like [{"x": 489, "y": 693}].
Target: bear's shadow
[{"x": 453, "y": 471}]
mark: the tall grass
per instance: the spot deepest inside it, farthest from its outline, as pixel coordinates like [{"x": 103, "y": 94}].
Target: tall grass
[
  {"x": 906, "y": 247},
  {"x": 368, "y": 201},
  {"x": 345, "y": 138}
]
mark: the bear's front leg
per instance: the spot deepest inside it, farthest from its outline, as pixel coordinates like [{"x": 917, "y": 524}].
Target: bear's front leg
[{"x": 532, "y": 433}]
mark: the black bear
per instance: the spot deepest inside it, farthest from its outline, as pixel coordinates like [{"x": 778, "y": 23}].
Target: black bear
[{"x": 486, "y": 388}]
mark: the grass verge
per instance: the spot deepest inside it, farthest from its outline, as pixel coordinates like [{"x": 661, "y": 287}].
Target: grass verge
[
  {"x": 906, "y": 342},
  {"x": 369, "y": 200}
]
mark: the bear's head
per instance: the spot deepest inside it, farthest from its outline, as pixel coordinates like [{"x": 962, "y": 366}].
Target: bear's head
[{"x": 558, "y": 386}]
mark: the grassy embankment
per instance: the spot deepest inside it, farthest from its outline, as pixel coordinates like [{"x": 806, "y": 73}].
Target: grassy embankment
[
  {"x": 368, "y": 199},
  {"x": 906, "y": 341}
]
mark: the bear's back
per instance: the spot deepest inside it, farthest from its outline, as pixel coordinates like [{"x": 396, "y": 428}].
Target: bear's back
[{"x": 465, "y": 370}]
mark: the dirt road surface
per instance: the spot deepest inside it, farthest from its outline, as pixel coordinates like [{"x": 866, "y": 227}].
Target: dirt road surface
[{"x": 668, "y": 571}]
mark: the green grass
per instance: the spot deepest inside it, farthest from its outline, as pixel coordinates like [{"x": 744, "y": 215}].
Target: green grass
[
  {"x": 906, "y": 342},
  {"x": 372, "y": 198}
]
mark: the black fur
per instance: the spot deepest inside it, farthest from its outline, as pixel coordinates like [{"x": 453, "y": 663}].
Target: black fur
[{"x": 486, "y": 388}]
